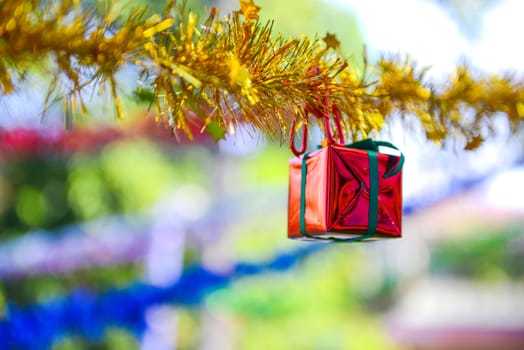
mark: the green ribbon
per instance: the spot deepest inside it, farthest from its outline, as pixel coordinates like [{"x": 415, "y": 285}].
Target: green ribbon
[
  {"x": 371, "y": 147},
  {"x": 373, "y": 194},
  {"x": 303, "y": 198},
  {"x": 369, "y": 144}
]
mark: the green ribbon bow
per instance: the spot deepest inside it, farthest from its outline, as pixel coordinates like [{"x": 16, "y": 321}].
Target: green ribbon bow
[{"x": 371, "y": 147}]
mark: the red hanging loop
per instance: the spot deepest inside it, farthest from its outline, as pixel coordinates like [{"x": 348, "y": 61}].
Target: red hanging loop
[
  {"x": 327, "y": 126},
  {"x": 338, "y": 124},
  {"x": 292, "y": 139},
  {"x": 321, "y": 112}
]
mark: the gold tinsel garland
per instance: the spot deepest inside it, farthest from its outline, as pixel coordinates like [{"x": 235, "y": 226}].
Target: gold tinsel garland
[{"x": 236, "y": 69}]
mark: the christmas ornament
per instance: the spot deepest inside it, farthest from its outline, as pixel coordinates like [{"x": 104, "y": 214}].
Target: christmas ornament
[{"x": 344, "y": 192}]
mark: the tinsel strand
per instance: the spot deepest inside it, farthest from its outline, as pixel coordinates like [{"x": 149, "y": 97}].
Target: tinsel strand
[{"x": 237, "y": 70}]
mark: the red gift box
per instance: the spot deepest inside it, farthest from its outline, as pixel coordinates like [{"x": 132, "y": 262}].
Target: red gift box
[{"x": 348, "y": 193}]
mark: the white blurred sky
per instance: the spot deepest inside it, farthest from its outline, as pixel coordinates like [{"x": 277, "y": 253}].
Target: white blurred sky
[{"x": 430, "y": 34}]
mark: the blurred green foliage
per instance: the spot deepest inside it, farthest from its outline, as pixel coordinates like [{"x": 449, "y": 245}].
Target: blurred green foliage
[
  {"x": 127, "y": 177},
  {"x": 189, "y": 329},
  {"x": 33, "y": 195},
  {"x": 314, "y": 18},
  {"x": 314, "y": 306},
  {"x": 51, "y": 192},
  {"x": 114, "y": 339},
  {"x": 201, "y": 7},
  {"x": 41, "y": 288},
  {"x": 494, "y": 253}
]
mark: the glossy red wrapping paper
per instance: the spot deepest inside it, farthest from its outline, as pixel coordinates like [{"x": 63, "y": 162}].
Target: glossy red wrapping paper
[{"x": 337, "y": 195}]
